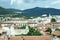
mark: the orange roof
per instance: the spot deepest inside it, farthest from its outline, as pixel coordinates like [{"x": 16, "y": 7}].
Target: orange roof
[
  {"x": 46, "y": 33},
  {"x": 44, "y": 29},
  {"x": 16, "y": 38},
  {"x": 31, "y": 38},
  {"x": 37, "y": 38},
  {"x": 37, "y": 26},
  {"x": 47, "y": 26},
  {"x": 57, "y": 33},
  {"x": 1, "y": 39}
]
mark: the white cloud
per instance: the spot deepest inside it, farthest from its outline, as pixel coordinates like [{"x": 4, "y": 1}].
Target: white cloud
[
  {"x": 17, "y": 2},
  {"x": 55, "y": 2},
  {"x": 20, "y": 2},
  {"x": 47, "y": 6},
  {"x": 26, "y": 4},
  {"x": 12, "y": 1}
]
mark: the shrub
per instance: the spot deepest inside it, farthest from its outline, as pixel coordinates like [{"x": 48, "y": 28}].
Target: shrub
[
  {"x": 23, "y": 27},
  {"x": 53, "y": 20},
  {"x": 33, "y": 32},
  {"x": 57, "y": 29},
  {"x": 48, "y": 30}
]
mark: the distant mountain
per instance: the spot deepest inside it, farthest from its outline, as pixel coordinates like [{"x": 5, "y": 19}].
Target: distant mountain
[
  {"x": 37, "y": 11},
  {"x": 40, "y": 11},
  {"x": 3, "y": 11},
  {"x": 14, "y": 10}
]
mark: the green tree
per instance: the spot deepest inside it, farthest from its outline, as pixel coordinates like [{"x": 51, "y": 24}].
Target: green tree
[
  {"x": 33, "y": 32},
  {"x": 23, "y": 27},
  {"x": 57, "y": 29},
  {"x": 53, "y": 20},
  {"x": 49, "y": 30}
]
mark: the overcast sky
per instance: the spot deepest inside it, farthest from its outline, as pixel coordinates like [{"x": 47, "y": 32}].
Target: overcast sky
[{"x": 26, "y": 4}]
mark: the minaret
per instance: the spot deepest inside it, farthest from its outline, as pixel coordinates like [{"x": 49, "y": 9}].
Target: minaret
[{"x": 50, "y": 16}]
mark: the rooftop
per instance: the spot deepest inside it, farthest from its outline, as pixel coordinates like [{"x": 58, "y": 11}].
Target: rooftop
[
  {"x": 1, "y": 39},
  {"x": 31, "y": 38},
  {"x": 56, "y": 33}
]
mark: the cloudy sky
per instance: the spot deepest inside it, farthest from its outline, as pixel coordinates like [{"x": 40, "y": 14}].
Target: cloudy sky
[{"x": 26, "y": 4}]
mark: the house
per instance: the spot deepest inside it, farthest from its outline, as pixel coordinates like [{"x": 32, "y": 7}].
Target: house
[
  {"x": 21, "y": 31},
  {"x": 53, "y": 25},
  {"x": 56, "y": 33},
  {"x": 20, "y": 21}
]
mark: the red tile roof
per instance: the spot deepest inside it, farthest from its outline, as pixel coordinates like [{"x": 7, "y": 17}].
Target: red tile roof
[
  {"x": 31, "y": 38},
  {"x": 37, "y": 38},
  {"x": 48, "y": 25},
  {"x": 57, "y": 33},
  {"x": 1, "y": 39},
  {"x": 46, "y": 33},
  {"x": 16, "y": 38}
]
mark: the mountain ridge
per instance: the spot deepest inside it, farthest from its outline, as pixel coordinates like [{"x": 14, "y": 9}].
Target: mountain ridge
[
  {"x": 40, "y": 11},
  {"x": 37, "y": 11}
]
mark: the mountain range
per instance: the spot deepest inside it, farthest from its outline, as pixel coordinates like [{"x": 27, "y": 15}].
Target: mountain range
[{"x": 37, "y": 11}]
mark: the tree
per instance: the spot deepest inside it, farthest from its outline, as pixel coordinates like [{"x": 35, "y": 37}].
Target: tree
[
  {"x": 57, "y": 29},
  {"x": 23, "y": 27},
  {"x": 33, "y": 32},
  {"x": 48, "y": 30},
  {"x": 53, "y": 20}
]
